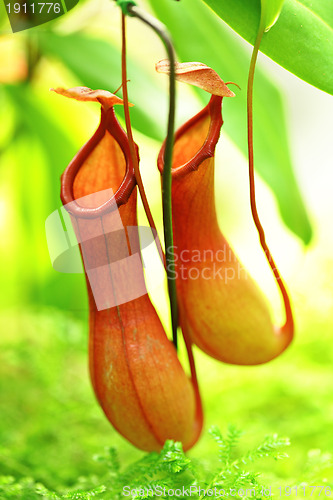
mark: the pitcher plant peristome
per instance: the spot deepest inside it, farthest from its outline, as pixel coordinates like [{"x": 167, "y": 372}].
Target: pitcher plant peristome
[
  {"x": 222, "y": 310},
  {"x": 136, "y": 375}
]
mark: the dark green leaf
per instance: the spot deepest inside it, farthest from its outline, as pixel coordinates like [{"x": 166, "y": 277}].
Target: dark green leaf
[
  {"x": 301, "y": 41},
  {"x": 96, "y": 64}
]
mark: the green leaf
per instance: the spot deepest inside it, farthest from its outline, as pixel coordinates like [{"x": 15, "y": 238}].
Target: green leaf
[
  {"x": 96, "y": 64},
  {"x": 226, "y": 55},
  {"x": 4, "y": 21},
  {"x": 270, "y": 11},
  {"x": 301, "y": 42},
  {"x": 42, "y": 150},
  {"x": 58, "y": 147}
]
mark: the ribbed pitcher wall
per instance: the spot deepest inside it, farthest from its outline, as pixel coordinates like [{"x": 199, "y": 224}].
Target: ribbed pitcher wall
[{"x": 221, "y": 308}]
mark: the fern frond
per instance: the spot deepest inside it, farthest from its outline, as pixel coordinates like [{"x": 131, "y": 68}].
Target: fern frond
[{"x": 270, "y": 447}]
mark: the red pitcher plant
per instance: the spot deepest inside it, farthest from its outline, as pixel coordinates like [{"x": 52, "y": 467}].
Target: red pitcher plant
[
  {"x": 135, "y": 372},
  {"x": 221, "y": 308}
]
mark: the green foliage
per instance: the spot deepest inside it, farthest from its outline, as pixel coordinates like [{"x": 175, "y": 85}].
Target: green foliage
[
  {"x": 228, "y": 57},
  {"x": 270, "y": 11},
  {"x": 99, "y": 53},
  {"x": 171, "y": 469},
  {"x": 51, "y": 425},
  {"x": 233, "y": 474},
  {"x": 301, "y": 41},
  {"x": 34, "y": 152},
  {"x": 40, "y": 125},
  {"x": 27, "y": 488}
]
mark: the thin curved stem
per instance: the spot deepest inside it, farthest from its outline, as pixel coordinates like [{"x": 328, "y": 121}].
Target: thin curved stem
[
  {"x": 131, "y": 140},
  {"x": 289, "y": 324},
  {"x": 195, "y": 383},
  {"x": 166, "y": 176},
  {"x": 167, "y": 201}
]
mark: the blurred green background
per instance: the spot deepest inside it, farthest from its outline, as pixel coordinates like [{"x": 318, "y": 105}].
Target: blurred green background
[{"x": 50, "y": 423}]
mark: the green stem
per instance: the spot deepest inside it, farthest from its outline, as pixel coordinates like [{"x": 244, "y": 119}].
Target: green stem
[{"x": 161, "y": 31}]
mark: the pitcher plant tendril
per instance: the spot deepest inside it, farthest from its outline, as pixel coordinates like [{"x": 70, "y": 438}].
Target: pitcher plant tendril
[{"x": 288, "y": 327}]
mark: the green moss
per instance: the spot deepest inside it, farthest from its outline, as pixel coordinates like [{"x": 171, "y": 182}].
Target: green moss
[{"x": 53, "y": 433}]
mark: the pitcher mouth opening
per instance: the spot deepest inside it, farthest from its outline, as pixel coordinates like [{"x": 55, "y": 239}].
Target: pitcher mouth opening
[
  {"x": 108, "y": 124},
  {"x": 208, "y": 123}
]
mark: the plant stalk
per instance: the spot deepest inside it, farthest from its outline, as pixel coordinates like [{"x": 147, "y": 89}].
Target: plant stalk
[{"x": 161, "y": 31}]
